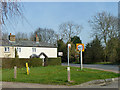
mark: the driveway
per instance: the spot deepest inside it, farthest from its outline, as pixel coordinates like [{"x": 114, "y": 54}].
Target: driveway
[{"x": 112, "y": 68}]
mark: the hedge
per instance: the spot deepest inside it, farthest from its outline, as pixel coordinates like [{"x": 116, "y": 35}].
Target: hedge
[
  {"x": 33, "y": 62},
  {"x": 54, "y": 61}
]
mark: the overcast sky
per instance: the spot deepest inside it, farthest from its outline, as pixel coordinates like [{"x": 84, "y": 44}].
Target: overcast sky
[{"x": 51, "y": 15}]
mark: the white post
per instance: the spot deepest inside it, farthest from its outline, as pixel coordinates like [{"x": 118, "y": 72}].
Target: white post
[
  {"x": 43, "y": 62},
  {"x": 69, "y": 46},
  {"x": 68, "y": 69},
  {"x": 15, "y": 72},
  {"x": 68, "y": 55},
  {"x": 81, "y": 60}
]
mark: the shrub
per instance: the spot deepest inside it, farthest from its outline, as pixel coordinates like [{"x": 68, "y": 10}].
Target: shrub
[
  {"x": 54, "y": 61},
  {"x": 33, "y": 62}
]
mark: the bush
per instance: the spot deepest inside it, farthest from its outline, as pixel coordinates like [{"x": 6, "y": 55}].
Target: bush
[
  {"x": 33, "y": 62},
  {"x": 54, "y": 61}
]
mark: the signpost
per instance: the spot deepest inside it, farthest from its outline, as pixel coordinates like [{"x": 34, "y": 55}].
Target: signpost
[
  {"x": 80, "y": 48},
  {"x": 69, "y": 46},
  {"x": 68, "y": 68}
]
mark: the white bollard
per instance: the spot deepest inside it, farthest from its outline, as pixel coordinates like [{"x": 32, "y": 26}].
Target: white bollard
[
  {"x": 15, "y": 72},
  {"x": 68, "y": 69}
]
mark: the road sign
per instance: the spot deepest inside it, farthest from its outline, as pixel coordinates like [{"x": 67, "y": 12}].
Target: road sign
[
  {"x": 60, "y": 53},
  {"x": 80, "y": 47}
]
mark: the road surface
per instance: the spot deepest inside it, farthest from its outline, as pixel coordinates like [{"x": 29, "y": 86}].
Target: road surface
[
  {"x": 112, "y": 68},
  {"x": 113, "y": 84}
]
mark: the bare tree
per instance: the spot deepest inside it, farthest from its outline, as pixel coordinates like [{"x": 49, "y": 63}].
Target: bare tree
[
  {"x": 105, "y": 26},
  {"x": 9, "y": 9},
  {"x": 69, "y": 30},
  {"x": 5, "y": 35},
  {"x": 45, "y": 35},
  {"x": 21, "y": 36}
]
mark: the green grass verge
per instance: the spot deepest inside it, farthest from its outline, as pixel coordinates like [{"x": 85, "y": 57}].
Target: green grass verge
[
  {"x": 102, "y": 63},
  {"x": 56, "y": 75}
]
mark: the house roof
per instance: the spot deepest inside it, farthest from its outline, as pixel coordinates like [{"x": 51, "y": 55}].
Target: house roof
[{"x": 26, "y": 43}]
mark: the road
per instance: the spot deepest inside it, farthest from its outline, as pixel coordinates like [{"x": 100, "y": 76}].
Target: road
[
  {"x": 112, "y": 68},
  {"x": 113, "y": 84}
]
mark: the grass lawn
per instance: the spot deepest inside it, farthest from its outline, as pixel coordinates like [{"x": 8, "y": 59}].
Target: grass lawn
[
  {"x": 56, "y": 75},
  {"x": 102, "y": 63}
]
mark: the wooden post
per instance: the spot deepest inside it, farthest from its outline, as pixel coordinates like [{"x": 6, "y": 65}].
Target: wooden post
[
  {"x": 15, "y": 72},
  {"x": 68, "y": 69}
]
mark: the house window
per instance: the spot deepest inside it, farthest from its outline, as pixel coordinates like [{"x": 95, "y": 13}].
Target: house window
[
  {"x": 7, "y": 49},
  {"x": 33, "y": 49},
  {"x": 18, "y": 49}
]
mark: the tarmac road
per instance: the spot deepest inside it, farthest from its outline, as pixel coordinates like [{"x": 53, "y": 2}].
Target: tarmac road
[
  {"x": 112, "y": 68},
  {"x": 113, "y": 84}
]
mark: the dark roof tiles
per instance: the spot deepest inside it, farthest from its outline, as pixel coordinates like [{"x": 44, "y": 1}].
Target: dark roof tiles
[{"x": 26, "y": 43}]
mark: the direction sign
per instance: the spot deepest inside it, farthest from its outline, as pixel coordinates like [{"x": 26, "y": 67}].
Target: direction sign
[{"x": 80, "y": 47}]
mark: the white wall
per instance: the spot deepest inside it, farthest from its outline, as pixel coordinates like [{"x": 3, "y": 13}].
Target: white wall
[
  {"x": 26, "y": 52},
  {"x": 10, "y": 54}
]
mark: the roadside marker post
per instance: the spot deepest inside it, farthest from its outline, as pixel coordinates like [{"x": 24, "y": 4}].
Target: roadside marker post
[
  {"x": 15, "y": 72},
  {"x": 80, "y": 48},
  {"x": 68, "y": 68},
  {"x": 27, "y": 68}
]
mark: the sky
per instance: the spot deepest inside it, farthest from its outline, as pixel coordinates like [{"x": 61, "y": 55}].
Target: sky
[{"x": 52, "y": 14}]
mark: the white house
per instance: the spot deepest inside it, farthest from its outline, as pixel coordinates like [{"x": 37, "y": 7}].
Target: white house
[{"x": 26, "y": 48}]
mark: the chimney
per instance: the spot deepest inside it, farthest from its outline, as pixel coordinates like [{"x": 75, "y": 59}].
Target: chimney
[
  {"x": 37, "y": 39},
  {"x": 12, "y": 38}
]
